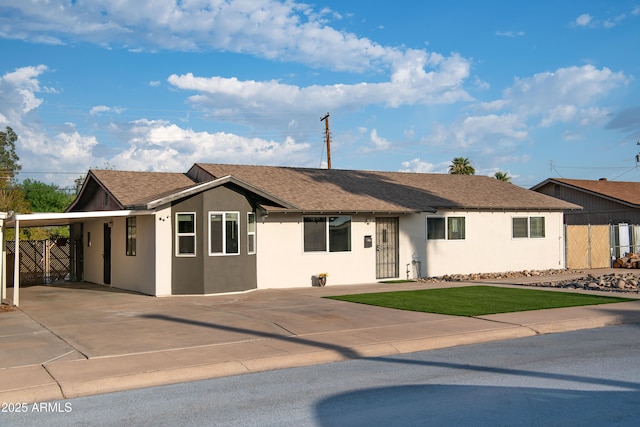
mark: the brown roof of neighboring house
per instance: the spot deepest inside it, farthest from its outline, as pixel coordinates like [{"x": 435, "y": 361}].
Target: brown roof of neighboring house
[
  {"x": 350, "y": 190},
  {"x": 628, "y": 192}
]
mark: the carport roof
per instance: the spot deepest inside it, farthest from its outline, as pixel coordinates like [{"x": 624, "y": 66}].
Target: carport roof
[{"x": 66, "y": 218}]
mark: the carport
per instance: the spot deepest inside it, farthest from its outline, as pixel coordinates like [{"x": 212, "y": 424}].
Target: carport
[{"x": 43, "y": 220}]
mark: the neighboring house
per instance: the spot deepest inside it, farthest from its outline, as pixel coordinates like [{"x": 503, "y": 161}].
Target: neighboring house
[
  {"x": 226, "y": 228},
  {"x": 608, "y": 226},
  {"x": 602, "y": 201}
]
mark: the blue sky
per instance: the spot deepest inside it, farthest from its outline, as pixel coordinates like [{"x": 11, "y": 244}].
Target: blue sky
[{"x": 537, "y": 89}]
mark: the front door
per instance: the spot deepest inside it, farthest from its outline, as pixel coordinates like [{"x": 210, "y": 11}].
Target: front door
[
  {"x": 387, "y": 259},
  {"x": 107, "y": 254}
]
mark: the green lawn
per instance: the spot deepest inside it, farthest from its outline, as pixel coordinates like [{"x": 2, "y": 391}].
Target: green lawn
[{"x": 477, "y": 300}]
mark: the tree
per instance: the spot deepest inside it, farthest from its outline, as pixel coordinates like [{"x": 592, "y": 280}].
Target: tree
[
  {"x": 11, "y": 196},
  {"x": 461, "y": 166},
  {"x": 502, "y": 176},
  {"x": 12, "y": 199},
  {"x": 45, "y": 197},
  {"x": 9, "y": 165}
]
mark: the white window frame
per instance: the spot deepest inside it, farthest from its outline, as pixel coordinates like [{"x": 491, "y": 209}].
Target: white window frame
[
  {"x": 327, "y": 234},
  {"x": 446, "y": 227},
  {"x": 251, "y": 235},
  {"x": 529, "y": 218},
  {"x": 224, "y": 233},
  {"x": 193, "y": 234}
]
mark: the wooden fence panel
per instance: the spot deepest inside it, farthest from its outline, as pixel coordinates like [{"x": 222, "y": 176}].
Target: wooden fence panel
[{"x": 41, "y": 261}]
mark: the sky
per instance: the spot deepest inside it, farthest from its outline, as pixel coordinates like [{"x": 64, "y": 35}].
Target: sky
[{"x": 537, "y": 89}]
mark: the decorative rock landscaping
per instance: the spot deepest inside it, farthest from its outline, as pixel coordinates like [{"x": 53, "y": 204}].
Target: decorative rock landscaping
[{"x": 625, "y": 281}]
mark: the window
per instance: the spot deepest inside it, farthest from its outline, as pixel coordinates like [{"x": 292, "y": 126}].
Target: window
[
  {"x": 185, "y": 234},
  {"x": 339, "y": 234},
  {"x": 536, "y": 227},
  {"x": 224, "y": 233},
  {"x": 528, "y": 227},
  {"x": 520, "y": 228},
  {"x": 322, "y": 232},
  {"x": 131, "y": 236},
  {"x": 450, "y": 228},
  {"x": 455, "y": 228},
  {"x": 251, "y": 233},
  {"x": 435, "y": 228}
]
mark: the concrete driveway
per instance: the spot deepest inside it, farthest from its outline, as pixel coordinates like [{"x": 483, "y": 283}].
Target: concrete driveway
[{"x": 78, "y": 339}]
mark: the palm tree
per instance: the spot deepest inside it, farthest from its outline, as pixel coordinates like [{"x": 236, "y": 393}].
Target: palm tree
[
  {"x": 461, "y": 166},
  {"x": 502, "y": 176}
]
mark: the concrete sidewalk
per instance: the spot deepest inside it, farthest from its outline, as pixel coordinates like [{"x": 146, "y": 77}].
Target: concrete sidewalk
[{"x": 79, "y": 339}]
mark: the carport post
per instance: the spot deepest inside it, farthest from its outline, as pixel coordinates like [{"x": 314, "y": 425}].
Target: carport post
[
  {"x": 16, "y": 267},
  {"x": 3, "y": 261}
]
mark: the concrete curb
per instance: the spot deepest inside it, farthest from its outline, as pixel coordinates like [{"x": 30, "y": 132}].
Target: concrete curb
[{"x": 38, "y": 385}]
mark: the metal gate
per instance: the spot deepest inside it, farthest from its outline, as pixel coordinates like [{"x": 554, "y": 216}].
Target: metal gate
[
  {"x": 41, "y": 261},
  {"x": 597, "y": 246},
  {"x": 587, "y": 246},
  {"x": 387, "y": 256}
]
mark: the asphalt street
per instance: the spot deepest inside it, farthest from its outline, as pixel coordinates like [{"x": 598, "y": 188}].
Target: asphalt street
[{"x": 586, "y": 377}]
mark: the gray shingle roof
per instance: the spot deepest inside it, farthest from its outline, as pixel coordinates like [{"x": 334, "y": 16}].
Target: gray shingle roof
[{"x": 350, "y": 190}]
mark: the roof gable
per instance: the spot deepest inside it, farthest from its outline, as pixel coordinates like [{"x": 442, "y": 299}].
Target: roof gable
[
  {"x": 127, "y": 189},
  {"x": 264, "y": 197}
]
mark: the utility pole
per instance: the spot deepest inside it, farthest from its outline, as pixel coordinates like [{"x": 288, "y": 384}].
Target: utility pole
[{"x": 327, "y": 138}]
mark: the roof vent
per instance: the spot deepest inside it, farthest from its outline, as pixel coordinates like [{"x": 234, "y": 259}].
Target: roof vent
[{"x": 602, "y": 179}]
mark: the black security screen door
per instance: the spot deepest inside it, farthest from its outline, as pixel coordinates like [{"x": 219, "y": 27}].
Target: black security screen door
[{"x": 387, "y": 259}]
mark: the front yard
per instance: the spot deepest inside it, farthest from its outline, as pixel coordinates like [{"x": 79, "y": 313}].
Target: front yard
[{"x": 477, "y": 300}]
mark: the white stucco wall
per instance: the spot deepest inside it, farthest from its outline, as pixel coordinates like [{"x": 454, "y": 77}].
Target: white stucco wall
[
  {"x": 163, "y": 251},
  {"x": 134, "y": 273},
  {"x": 282, "y": 263},
  {"x": 489, "y": 246},
  {"x": 412, "y": 246},
  {"x": 93, "y": 240}
]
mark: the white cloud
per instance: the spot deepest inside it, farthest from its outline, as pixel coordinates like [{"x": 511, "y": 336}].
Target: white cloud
[
  {"x": 61, "y": 149},
  {"x": 18, "y": 91},
  {"x": 162, "y": 146},
  {"x": 561, "y": 113},
  {"x": 98, "y": 109},
  {"x": 587, "y": 21},
  {"x": 379, "y": 143},
  {"x": 410, "y": 84},
  {"x": 583, "y": 20},
  {"x": 417, "y": 165},
  {"x": 571, "y": 88},
  {"x": 286, "y": 31},
  {"x": 149, "y": 145},
  {"x": 510, "y": 34},
  {"x": 471, "y": 131},
  {"x": 65, "y": 151}
]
